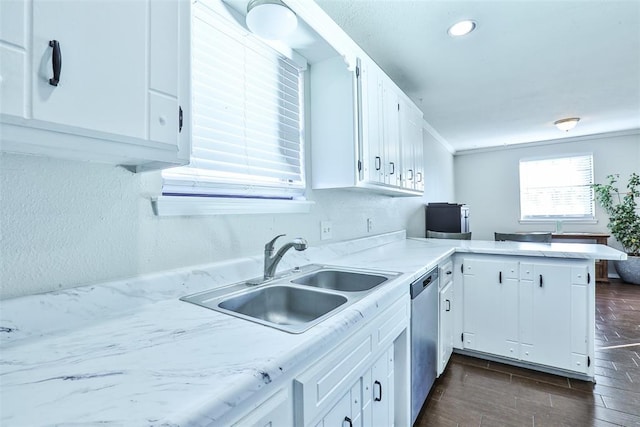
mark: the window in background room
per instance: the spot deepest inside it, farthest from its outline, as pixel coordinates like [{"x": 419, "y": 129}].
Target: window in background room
[
  {"x": 557, "y": 188},
  {"x": 247, "y": 134}
]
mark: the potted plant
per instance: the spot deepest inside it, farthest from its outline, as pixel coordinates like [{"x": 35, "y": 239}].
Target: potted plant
[{"x": 624, "y": 222}]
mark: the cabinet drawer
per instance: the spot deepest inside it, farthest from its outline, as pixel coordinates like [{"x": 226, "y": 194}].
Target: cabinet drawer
[
  {"x": 446, "y": 274},
  {"x": 390, "y": 329},
  {"x": 331, "y": 379}
]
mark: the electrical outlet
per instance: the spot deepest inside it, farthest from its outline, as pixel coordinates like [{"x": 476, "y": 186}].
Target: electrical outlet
[
  {"x": 369, "y": 225},
  {"x": 326, "y": 230}
]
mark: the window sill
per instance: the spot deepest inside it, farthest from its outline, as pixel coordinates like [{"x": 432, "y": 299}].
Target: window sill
[
  {"x": 553, "y": 221},
  {"x": 199, "y": 206}
]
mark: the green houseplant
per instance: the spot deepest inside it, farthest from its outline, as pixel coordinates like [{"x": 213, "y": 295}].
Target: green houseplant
[{"x": 624, "y": 221}]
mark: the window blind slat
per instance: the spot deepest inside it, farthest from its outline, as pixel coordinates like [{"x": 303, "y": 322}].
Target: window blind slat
[
  {"x": 247, "y": 113},
  {"x": 558, "y": 188}
]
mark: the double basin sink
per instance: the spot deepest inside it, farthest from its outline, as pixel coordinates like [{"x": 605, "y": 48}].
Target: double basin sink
[{"x": 295, "y": 300}]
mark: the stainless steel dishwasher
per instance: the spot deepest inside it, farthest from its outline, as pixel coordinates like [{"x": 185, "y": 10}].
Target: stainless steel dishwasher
[{"x": 424, "y": 338}]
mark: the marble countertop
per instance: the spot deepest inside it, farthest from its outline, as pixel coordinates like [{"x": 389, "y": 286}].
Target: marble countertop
[{"x": 131, "y": 353}]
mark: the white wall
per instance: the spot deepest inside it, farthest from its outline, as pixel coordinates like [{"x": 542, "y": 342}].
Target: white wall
[
  {"x": 66, "y": 223},
  {"x": 439, "y": 177},
  {"x": 488, "y": 181}
]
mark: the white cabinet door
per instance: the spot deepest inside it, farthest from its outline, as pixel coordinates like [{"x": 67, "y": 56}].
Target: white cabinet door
[
  {"x": 418, "y": 155},
  {"x": 382, "y": 389},
  {"x": 340, "y": 414},
  {"x": 490, "y": 305},
  {"x": 101, "y": 80},
  {"x": 13, "y": 57},
  {"x": 411, "y": 145},
  {"x": 361, "y": 146},
  {"x": 554, "y": 316},
  {"x": 372, "y": 123},
  {"x": 391, "y": 133},
  {"x": 445, "y": 339}
]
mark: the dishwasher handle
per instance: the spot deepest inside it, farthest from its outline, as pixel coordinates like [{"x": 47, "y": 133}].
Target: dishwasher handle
[
  {"x": 427, "y": 281},
  {"x": 424, "y": 282}
]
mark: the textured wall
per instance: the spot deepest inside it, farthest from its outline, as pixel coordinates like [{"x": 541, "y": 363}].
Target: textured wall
[
  {"x": 66, "y": 223},
  {"x": 489, "y": 181}
]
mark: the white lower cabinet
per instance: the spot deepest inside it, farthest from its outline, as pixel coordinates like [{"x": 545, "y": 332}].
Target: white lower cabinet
[
  {"x": 370, "y": 401},
  {"x": 540, "y": 312},
  {"x": 490, "y": 304},
  {"x": 446, "y": 316},
  {"x": 554, "y": 316},
  {"x": 354, "y": 384}
]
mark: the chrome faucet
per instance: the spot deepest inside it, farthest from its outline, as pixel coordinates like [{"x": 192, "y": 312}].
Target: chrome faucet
[{"x": 271, "y": 261}]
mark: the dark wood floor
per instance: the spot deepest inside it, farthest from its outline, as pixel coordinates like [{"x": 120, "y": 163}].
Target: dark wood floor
[{"x": 475, "y": 392}]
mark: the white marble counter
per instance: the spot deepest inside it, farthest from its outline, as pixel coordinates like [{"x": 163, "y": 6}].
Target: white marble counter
[
  {"x": 551, "y": 250},
  {"x": 130, "y": 353}
]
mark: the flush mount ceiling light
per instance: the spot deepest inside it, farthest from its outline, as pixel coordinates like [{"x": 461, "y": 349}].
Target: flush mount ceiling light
[
  {"x": 567, "y": 124},
  {"x": 461, "y": 28},
  {"x": 270, "y": 19}
]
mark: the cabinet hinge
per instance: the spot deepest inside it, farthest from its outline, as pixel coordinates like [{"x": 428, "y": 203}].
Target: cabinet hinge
[
  {"x": 398, "y": 107},
  {"x": 179, "y": 119},
  {"x": 462, "y": 268},
  {"x": 462, "y": 337},
  {"x": 359, "y": 165},
  {"x": 357, "y": 71},
  {"x": 588, "y": 361},
  {"x": 588, "y": 277}
]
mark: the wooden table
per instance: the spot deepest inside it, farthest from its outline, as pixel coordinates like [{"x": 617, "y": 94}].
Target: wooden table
[{"x": 602, "y": 268}]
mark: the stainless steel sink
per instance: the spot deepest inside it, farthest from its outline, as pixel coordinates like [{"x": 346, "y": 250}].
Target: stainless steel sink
[
  {"x": 284, "y": 305},
  {"x": 295, "y": 300},
  {"x": 341, "y": 280}
]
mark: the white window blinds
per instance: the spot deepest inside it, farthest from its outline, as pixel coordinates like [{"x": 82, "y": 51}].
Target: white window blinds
[
  {"x": 557, "y": 189},
  {"x": 247, "y": 116}
]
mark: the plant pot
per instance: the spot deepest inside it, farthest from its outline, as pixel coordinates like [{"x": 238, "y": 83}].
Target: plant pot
[{"x": 629, "y": 270}]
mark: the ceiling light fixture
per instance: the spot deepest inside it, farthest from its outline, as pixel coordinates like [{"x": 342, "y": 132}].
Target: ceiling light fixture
[
  {"x": 461, "y": 28},
  {"x": 567, "y": 124},
  {"x": 270, "y": 19}
]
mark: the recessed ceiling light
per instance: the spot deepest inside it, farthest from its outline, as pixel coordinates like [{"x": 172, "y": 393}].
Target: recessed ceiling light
[
  {"x": 567, "y": 124},
  {"x": 461, "y": 28}
]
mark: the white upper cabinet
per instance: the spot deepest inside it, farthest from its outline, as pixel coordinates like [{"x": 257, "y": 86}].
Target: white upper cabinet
[
  {"x": 411, "y": 146},
  {"x": 372, "y": 123},
  {"x": 105, "y": 81},
  {"x": 358, "y": 134}
]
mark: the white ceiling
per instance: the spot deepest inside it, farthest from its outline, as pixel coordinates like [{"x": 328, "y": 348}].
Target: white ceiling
[{"x": 527, "y": 64}]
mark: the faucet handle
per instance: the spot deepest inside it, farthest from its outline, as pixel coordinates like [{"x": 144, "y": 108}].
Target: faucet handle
[{"x": 269, "y": 246}]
